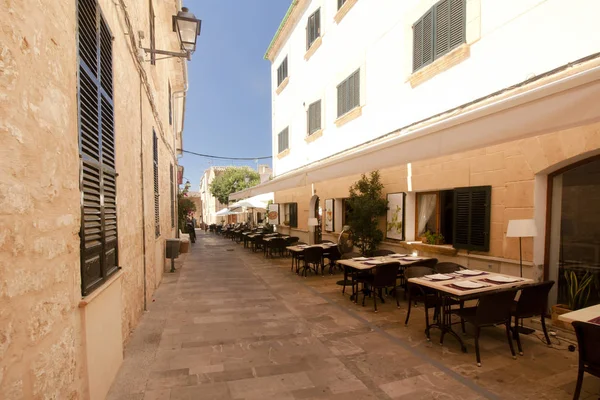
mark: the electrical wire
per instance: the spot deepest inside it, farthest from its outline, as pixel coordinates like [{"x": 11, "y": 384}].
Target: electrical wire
[{"x": 226, "y": 158}]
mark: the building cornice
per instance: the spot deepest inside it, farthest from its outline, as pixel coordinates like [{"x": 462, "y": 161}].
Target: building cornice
[{"x": 285, "y": 28}]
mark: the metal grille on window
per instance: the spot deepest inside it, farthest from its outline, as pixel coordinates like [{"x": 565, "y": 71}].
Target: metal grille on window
[
  {"x": 314, "y": 117},
  {"x": 348, "y": 94},
  {"x": 170, "y": 105},
  {"x": 156, "y": 187},
  {"x": 98, "y": 177},
  {"x": 282, "y": 72},
  {"x": 282, "y": 140},
  {"x": 313, "y": 28},
  {"x": 439, "y": 31}
]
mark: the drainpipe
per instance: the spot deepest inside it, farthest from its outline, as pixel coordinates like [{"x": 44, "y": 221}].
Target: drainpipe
[{"x": 142, "y": 193}]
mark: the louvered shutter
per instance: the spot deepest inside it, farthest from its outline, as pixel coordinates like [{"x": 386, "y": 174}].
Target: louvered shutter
[
  {"x": 98, "y": 177},
  {"x": 293, "y": 215},
  {"x": 442, "y": 27},
  {"x": 156, "y": 187},
  {"x": 458, "y": 22},
  {"x": 472, "y": 218},
  {"x": 428, "y": 38}
]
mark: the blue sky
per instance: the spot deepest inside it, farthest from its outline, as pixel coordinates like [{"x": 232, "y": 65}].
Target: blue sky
[{"x": 228, "y": 110}]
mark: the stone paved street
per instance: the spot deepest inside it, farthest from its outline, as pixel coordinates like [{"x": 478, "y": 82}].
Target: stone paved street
[{"x": 231, "y": 324}]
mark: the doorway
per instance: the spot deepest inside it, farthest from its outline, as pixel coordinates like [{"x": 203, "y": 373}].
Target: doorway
[{"x": 574, "y": 229}]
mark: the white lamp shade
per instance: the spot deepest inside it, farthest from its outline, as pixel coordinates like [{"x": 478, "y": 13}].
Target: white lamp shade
[
  {"x": 521, "y": 228},
  {"x": 313, "y": 222}
]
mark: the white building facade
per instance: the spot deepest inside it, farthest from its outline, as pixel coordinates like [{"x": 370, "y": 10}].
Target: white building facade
[
  {"x": 487, "y": 99},
  {"x": 210, "y": 205}
]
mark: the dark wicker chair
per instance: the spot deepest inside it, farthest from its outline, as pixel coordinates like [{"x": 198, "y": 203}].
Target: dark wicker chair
[
  {"x": 532, "y": 301},
  {"x": 430, "y": 263},
  {"x": 292, "y": 240},
  {"x": 493, "y": 309},
  {"x": 383, "y": 252},
  {"x": 347, "y": 256},
  {"x": 277, "y": 246},
  {"x": 383, "y": 277},
  {"x": 419, "y": 293},
  {"x": 313, "y": 257},
  {"x": 259, "y": 243},
  {"x": 332, "y": 254},
  {"x": 447, "y": 267},
  {"x": 589, "y": 352}
]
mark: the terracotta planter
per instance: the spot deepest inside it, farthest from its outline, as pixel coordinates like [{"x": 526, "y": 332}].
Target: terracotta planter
[{"x": 557, "y": 310}]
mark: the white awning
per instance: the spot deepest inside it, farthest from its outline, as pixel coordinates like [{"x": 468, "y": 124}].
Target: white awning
[
  {"x": 225, "y": 211},
  {"x": 258, "y": 201},
  {"x": 561, "y": 101}
]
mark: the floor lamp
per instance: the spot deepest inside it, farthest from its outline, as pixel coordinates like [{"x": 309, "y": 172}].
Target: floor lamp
[{"x": 522, "y": 228}]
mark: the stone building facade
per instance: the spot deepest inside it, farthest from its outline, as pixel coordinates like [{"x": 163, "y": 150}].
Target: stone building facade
[
  {"x": 444, "y": 98},
  {"x": 61, "y": 337}
]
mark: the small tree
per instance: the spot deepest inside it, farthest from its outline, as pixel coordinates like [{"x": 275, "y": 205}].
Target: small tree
[
  {"x": 232, "y": 180},
  {"x": 185, "y": 206},
  {"x": 367, "y": 206}
]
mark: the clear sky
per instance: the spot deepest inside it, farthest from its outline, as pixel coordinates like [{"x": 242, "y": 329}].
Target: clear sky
[{"x": 228, "y": 110}]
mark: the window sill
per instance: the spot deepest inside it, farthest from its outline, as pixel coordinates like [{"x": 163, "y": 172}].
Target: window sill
[
  {"x": 349, "y": 116},
  {"x": 344, "y": 10},
  {"x": 314, "y": 136},
  {"x": 313, "y": 48},
  {"x": 443, "y": 249},
  {"x": 283, "y": 85},
  {"x": 440, "y": 65},
  {"x": 283, "y": 154},
  {"x": 96, "y": 293}
]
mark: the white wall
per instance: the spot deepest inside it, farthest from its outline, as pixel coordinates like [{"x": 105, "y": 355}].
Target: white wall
[{"x": 509, "y": 41}]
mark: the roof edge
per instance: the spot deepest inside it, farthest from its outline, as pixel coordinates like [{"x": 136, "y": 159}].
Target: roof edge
[{"x": 281, "y": 26}]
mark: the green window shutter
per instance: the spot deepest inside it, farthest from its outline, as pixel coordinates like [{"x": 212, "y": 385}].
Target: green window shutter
[
  {"x": 428, "y": 37},
  {"x": 472, "y": 208},
  {"x": 458, "y": 22},
  {"x": 418, "y": 45},
  {"x": 442, "y": 27},
  {"x": 98, "y": 178},
  {"x": 293, "y": 215}
]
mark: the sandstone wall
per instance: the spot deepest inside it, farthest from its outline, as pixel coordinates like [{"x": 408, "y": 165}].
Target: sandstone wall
[{"x": 42, "y": 355}]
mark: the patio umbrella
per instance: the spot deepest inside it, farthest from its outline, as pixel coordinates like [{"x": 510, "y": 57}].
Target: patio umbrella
[{"x": 251, "y": 204}]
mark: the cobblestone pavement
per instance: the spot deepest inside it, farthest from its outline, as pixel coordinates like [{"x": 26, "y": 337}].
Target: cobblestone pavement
[{"x": 231, "y": 324}]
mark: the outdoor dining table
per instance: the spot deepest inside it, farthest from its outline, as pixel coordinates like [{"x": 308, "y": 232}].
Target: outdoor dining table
[
  {"x": 298, "y": 250},
  {"x": 453, "y": 288},
  {"x": 589, "y": 314},
  {"x": 268, "y": 239},
  {"x": 357, "y": 264}
]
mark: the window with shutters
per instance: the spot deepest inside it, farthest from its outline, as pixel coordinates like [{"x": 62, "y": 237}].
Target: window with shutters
[
  {"x": 290, "y": 215},
  {"x": 156, "y": 187},
  {"x": 98, "y": 177},
  {"x": 348, "y": 94},
  {"x": 313, "y": 28},
  {"x": 313, "y": 122},
  {"x": 283, "y": 140},
  {"x": 439, "y": 30},
  {"x": 172, "y": 185},
  {"x": 282, "y": 71},
  {"x": 341, "y": 3},
  {"x": 472, "y": 208}
]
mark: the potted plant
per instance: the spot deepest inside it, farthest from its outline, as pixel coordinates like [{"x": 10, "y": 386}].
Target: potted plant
[
  {"x": 578, "y": 294},
  {"x": 433, "y": 238},
  {"x": 368, "y": 206}
]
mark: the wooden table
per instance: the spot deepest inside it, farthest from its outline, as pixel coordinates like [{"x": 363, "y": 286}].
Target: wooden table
[
  {"x": 584, "y": 315},
  {"x": 352, "y": 266},
  {"x": 297, "y": 251},
  {"x": 445, "y": 290}
]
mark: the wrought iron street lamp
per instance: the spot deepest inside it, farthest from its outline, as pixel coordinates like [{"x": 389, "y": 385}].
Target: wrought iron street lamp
[{"x": 187, "y": 27}]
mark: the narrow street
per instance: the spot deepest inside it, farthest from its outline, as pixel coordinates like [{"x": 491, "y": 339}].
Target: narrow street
[{"x": 231, "y": 324}]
